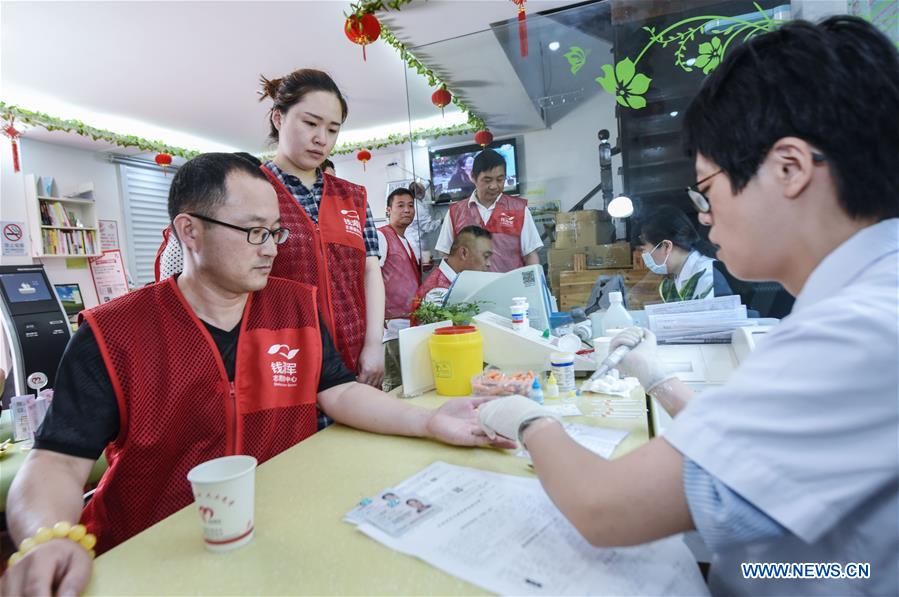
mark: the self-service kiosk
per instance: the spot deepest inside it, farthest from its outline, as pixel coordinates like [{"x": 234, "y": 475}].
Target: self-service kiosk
[{"x": 34, "y": 322}]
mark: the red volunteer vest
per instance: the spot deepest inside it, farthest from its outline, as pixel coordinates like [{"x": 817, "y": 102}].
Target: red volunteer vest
[
  {"x": 505, "y": 225},
  {"x": 401, "y": 276},
  {"x": 435, "y": 279},
  {"x": 176, "y": 405},
  {"x": 329, "y": 255}
]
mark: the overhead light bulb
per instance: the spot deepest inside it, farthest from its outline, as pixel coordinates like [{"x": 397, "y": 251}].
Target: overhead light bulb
[
  {"x": 422, "y": 142},
  {"x": 553, "y": 46},
  {"x": 675, "y": 113},
  {"x": 621, "y": 207}
]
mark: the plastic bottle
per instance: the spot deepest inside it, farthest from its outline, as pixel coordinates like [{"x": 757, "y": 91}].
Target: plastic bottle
[
  {"x": 552, "y": 388},
  {"x": 519, "y": 311},
  {"x": 616, "y": 316},
  {"x": 563, "y": 370},
  {"x": 523, "y": 300},
  {"x": 536, "y": 392}
]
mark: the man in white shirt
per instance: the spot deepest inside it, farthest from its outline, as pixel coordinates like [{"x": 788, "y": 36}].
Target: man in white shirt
[
  {"x": 790, "y": 470},
  {"x": 402, "y": 275},
  {"x": 515, "y": 236}
]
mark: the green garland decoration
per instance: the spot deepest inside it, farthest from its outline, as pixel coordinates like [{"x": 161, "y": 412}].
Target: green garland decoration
[
  {"x": 400, "y": 138},
  {"x": 369, "y": 6},
  {"x": 51, "y": 123},
  {"x": 474, "y": 123}
]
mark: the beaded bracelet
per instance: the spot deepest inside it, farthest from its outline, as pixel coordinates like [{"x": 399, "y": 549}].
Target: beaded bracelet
[{"x": 61, "y": 530}]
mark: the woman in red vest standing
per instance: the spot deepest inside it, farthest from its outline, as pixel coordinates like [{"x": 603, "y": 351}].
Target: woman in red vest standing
[{"x": 333, "y": 242}]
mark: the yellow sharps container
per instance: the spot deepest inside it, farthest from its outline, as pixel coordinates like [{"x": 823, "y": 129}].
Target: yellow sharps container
[{"x": 457, "y": 355}]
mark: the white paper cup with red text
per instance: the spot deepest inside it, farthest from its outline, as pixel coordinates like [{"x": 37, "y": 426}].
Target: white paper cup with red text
[{"x": 223, "y": 492}]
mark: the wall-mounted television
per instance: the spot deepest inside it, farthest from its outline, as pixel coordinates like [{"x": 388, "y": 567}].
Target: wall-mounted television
[{"x": 451, "y": 169}]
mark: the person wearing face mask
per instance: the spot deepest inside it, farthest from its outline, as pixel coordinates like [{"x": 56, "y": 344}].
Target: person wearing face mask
[
  {"x": 672, "y": 247},
  {"x": 334, "y": 243},
  {"x": 515, "y": 236}
]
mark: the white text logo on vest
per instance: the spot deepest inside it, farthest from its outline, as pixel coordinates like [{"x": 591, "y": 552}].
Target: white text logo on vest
[
  {"x": 506, "y": 220},
  {"x": 284, "y": 373},
  {"x": 351, "y": 221}
]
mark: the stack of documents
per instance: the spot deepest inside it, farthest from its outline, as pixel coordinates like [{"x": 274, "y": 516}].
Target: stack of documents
[
  {"x": 705, "y": 320},
  {"x": 503, "y": 534}
]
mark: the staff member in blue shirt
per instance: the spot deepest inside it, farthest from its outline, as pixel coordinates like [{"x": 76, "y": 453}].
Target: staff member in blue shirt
[{"x": 794, "y": 460}]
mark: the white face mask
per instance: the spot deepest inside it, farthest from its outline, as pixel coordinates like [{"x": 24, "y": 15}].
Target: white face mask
[{"x": 656, "y": 268}]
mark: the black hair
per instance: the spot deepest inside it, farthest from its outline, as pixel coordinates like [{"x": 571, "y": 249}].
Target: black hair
[
  {"x": 486, "y": 160},
  {"x": 399, "y": 191},
  {"x": 200, "y": 184},
  {"x": 328, "y": 164},
  {"x": 292, "y": 88},
  {"x": 667, "y": 222},
  {"x": 473, "y": 231},
  {"x": 834, "y": 85}
]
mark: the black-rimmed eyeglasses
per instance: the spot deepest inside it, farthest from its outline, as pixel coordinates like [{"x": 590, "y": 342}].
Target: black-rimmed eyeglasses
[
  {"x": 256, "y": 235},
  {"x": 701, "y": 202}
]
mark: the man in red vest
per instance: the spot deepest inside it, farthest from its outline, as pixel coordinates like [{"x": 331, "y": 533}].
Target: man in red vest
[
  {"x": 221, "y": 359},
  {"x": 515, "y": 236},
  {"x": 402, "y": 275},
  {"x": 472, "y": 250}
]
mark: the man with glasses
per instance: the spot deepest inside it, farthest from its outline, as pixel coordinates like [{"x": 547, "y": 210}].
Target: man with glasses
[
  {"x": 790, "y": 470},
  {"x": 219, "y": 360}
]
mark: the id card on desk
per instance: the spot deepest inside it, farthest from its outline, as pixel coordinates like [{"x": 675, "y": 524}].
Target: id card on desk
[{"x": 391, "y": 512}]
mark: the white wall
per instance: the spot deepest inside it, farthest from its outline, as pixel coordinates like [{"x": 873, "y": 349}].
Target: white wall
[{"x": 69, "y": 166}]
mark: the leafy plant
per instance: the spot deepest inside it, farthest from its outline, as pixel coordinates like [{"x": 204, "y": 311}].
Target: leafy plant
[
  {"x": 669, "y": 293},
  {"x": 459, "y": 313}
]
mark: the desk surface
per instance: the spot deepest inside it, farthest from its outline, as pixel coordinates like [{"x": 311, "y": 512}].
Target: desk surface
[{"x": 301, "y": 544}]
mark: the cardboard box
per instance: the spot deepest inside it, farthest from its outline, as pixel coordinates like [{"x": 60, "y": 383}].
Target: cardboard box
[
  {"x": 598, "y": 256},
  {"x": 575, "y": 287},
  {"x": 582, "y": 228}
]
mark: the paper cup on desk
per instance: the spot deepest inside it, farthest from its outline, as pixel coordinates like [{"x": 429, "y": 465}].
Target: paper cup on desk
[{"x": 224, "y": 491}]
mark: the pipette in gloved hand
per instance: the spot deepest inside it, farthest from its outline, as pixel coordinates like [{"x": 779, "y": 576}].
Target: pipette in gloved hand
[{"x": 611, "y": 361}]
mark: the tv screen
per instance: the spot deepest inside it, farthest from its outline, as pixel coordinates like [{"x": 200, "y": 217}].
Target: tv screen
[
  {"x": 70, "y": 297},
  {"x": 451, "y": 169}
]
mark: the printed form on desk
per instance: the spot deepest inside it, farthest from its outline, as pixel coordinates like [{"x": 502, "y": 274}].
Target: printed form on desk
[{"x": 503, "y": 534}]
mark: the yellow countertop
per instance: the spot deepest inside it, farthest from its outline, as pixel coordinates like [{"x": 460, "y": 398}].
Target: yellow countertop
[{"x": 301, "y": 544}]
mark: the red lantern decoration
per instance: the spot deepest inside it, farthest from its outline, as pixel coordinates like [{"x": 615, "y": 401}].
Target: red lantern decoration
[
  {"x": 441, "y": 98},
  {"x": 522, "y": 28},
  {"x": 363, "y": 156},
  {"x": 483, "y": 138},
  {"x": 362, "y": 30},
  {"x": 10, "y": 131},
  {"x": 163, "y": 159}
]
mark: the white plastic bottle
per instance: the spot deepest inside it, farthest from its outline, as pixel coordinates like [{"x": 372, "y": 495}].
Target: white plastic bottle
[
  {"x": 519, "y": 311},
  {"x": 616, "y": 317}
]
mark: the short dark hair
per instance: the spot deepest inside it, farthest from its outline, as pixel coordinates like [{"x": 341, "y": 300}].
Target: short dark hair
[
  {"x": 834, "y": 85},
  {"x": 399, "y": 191},
  {"x": 199, "y": 185},
  {"x": 486, "y": 160},
  {"x": 328, "y": 164},
  {"x": 290, "y": 89},
  {"x": 667, "y": 222},
  {"x": 473, "y": 232}
]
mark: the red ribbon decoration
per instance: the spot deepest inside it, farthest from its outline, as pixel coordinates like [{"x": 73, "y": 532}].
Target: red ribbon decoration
[
  {"x": 10, "y": 131},
  {"x": 522, "y": 28}
]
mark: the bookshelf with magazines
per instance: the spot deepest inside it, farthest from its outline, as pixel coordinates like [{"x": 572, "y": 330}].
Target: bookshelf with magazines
[{"x": 62, "y": 224}]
